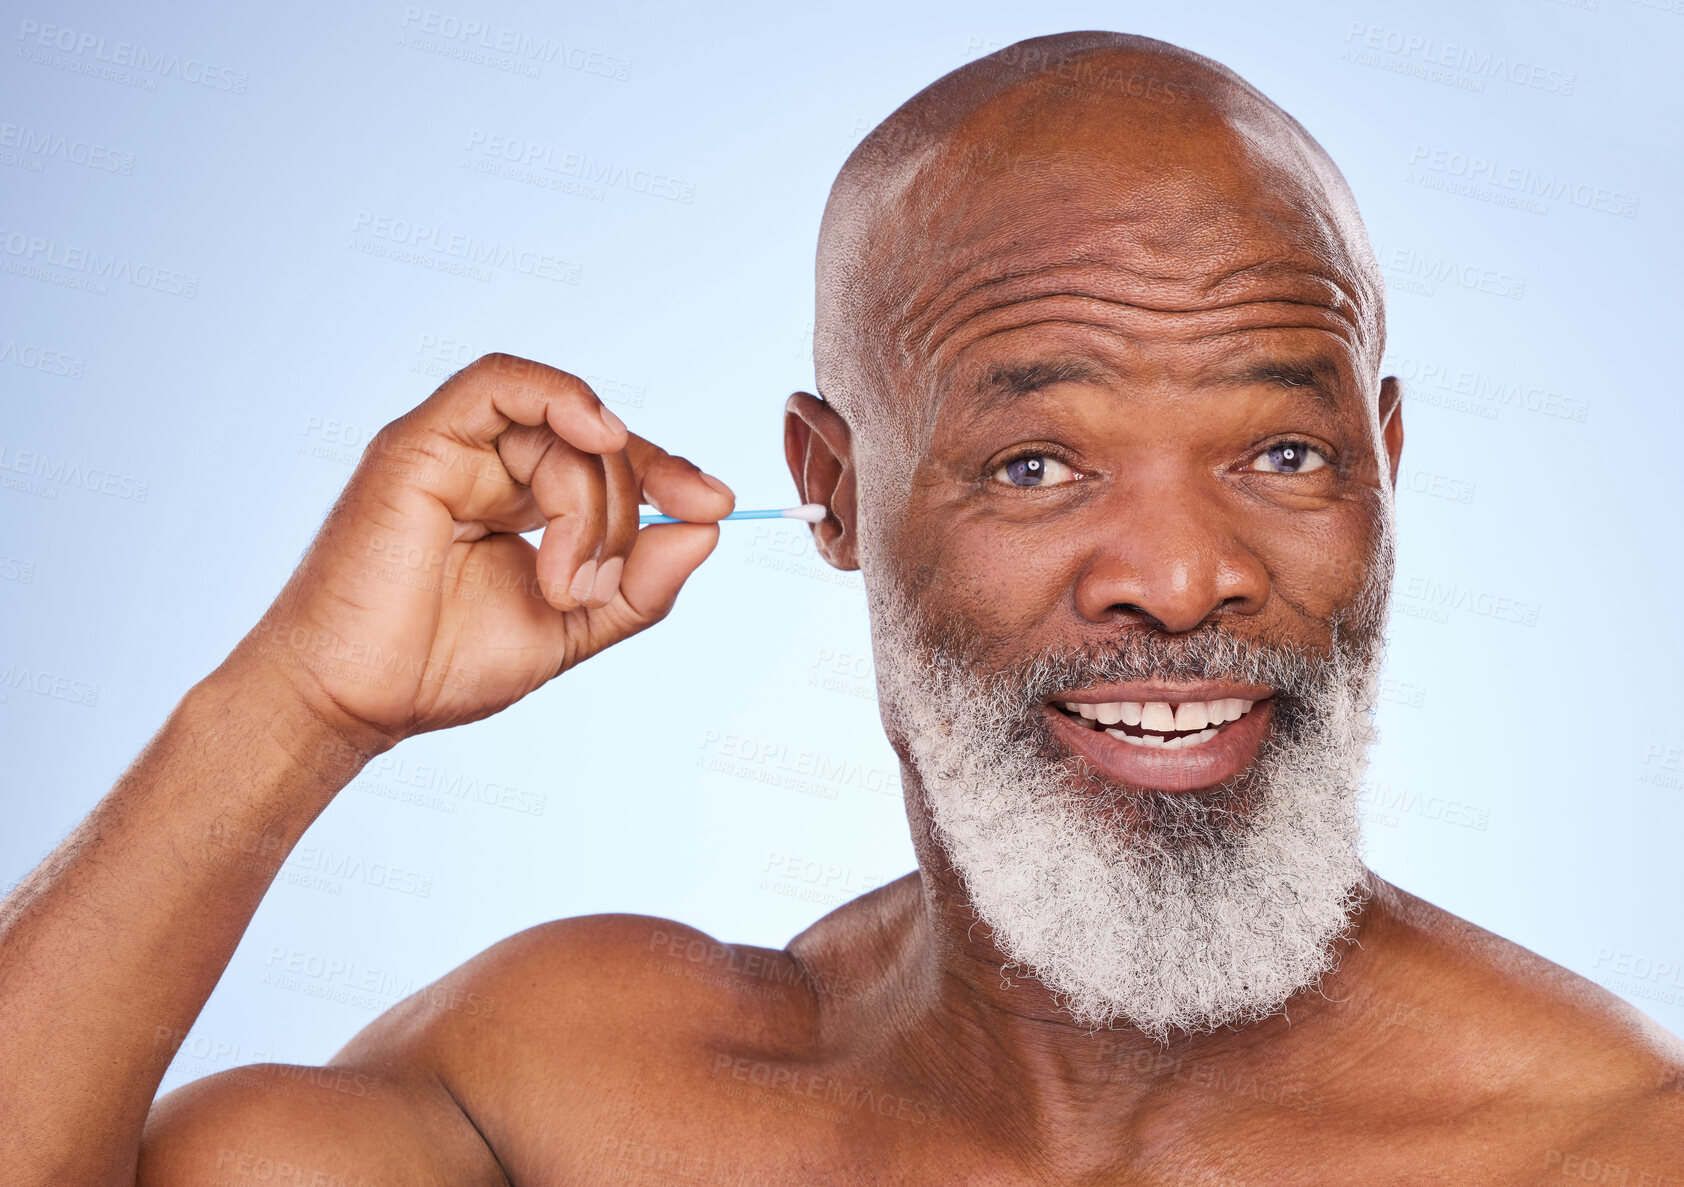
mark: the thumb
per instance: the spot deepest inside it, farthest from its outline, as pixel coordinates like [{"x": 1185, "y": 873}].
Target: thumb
[{"x": 660, "y": 562}]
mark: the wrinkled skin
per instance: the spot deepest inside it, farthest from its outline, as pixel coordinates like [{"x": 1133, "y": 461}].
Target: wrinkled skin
[{"x": 1116, "y": 254}]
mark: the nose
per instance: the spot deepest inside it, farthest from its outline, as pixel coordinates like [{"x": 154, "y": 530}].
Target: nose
[{"x": 1167, "y": 556}]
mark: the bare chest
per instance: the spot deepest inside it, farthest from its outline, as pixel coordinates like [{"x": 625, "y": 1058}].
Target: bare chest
[{"x": 748, "y": 1121}]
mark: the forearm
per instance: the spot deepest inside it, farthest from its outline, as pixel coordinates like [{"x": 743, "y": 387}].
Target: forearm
[{"x": 109, "y": 949}]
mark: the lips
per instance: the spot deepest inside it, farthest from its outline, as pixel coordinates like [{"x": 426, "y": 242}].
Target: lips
[{"x": 1165, "y": 739}]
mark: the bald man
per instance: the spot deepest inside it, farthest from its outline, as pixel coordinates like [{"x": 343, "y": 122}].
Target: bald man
[{"x": 1103, "y": 427}]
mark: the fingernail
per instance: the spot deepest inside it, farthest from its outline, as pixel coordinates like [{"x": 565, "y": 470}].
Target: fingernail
[
  {"x": 607, "y": 579},
  {"x": 580, "y": 586},
  {"x": 614, "y": 423},
  {"x": 718, "y": 485}
]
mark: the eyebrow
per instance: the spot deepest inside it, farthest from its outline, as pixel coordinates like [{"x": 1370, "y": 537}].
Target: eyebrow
[
  {"x": 1319, "y": 375},
  {"x": 1005, "y": 383}
]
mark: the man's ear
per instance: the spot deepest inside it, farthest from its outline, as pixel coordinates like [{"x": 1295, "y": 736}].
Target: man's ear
[
  {"x": 820, "y": 451},
  {"x": 1391, "y": 420}
]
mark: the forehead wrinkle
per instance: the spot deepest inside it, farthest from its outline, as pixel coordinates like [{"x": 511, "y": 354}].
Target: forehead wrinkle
[
  {"x": 922, "y": 334},
  {"x": 1317, "y": 371},
  {"x": 923, "y": 305},
  {"x": 1200, "y": 326}
]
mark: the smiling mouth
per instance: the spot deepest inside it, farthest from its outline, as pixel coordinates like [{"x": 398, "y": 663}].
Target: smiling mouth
[{"x": 1158, "y": 725}]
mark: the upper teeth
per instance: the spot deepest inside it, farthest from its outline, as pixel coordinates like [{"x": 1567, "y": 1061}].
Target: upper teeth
[{"x": 1162, "y": 717}]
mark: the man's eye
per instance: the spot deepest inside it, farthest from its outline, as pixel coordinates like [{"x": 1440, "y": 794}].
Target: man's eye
[
  {"x": 1289, "y": 457},
  {"x": 1034, "y": 469}
]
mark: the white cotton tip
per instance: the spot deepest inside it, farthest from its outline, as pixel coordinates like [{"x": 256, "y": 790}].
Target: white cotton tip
[{"x": 807, "y": 512}]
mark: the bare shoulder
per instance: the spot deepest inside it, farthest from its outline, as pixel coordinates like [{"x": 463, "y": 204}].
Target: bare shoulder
[
  {"x": 524, "y": 1055},
  {"x": 1581, "y": 1068},
  {"x": 618, "y": 982},
  {"x": 1554, "y": 1006},
  {"x": 607, "y": 975}
]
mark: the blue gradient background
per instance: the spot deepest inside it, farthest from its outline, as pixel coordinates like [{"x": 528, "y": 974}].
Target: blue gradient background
[{"x": 727, "y": 769}]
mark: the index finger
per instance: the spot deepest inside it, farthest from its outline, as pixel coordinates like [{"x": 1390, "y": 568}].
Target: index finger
[
  {"x": 675, "y": 485},
  {"x": 480, "y": 401}
]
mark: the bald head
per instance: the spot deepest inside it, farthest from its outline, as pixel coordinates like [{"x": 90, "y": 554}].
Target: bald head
[{"x": 1065, "y": 173}]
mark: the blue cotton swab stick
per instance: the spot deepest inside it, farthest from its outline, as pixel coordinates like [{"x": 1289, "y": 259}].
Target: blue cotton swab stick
[{"x": 806, "y": 512}]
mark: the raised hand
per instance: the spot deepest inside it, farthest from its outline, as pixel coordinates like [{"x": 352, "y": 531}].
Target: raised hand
[{"x": 419, "y": 606}]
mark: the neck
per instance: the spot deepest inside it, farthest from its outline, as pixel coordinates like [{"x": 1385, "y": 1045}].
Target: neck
[{"x": 982, "y": 1022}]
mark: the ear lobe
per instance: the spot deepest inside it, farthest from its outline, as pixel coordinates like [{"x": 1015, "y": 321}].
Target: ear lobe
[
  {"x": 819, "y": 449},
  {"x": 1391, "y": 421}
]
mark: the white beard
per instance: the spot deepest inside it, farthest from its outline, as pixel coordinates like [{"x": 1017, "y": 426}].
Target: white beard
[{"x": 1167, "y": 912}]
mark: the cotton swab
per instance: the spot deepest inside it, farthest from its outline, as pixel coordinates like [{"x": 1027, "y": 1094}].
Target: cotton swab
[{"x": 806, "y": 512}]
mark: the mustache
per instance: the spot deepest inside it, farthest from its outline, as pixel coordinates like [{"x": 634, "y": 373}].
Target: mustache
[{"x": 1209, "y": 652}]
